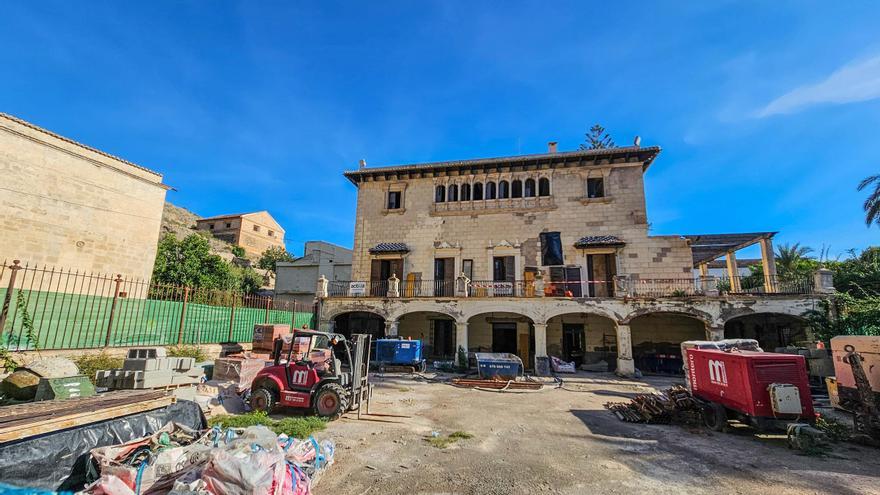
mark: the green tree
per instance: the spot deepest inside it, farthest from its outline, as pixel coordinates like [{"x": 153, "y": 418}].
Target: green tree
[
  {"x": 238, "y": 251},
  {"x": 597, "y": 139},
  {"x": 872, "y": 203},
  {"x": 189, "y": 262},
  {"x": 272, "y": 256}
]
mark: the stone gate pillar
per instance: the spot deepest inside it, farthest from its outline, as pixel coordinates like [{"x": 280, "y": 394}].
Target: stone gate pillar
[
  {"x": 391, "y": 328},
  {"x": 461, "y": 339},
  {"x": 625, "y": 364},
  {"x": 715, "y": 333},
  {"x": 540, "y": 339}
]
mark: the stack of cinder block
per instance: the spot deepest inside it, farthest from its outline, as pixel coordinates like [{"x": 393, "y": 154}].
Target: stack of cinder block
[{"x": 151, "y": 368}]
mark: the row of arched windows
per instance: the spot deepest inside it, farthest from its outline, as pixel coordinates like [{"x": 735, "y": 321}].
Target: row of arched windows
[{"x": 502, "y": 190}]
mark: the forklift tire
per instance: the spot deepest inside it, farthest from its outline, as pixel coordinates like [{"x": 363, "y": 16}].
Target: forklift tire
[
  {"x": 263, "y": 399},
  {"x": 331, "y": 401},
  {"x": 715, "y": 416}
]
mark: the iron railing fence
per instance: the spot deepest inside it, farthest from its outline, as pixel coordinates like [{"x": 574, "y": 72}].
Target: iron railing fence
[
  {"x": 56, "y": 308},
  {"x": 665, "y": 287},
  {"x": 427, "y": 288},
  {"x": 755, "y": 285}
]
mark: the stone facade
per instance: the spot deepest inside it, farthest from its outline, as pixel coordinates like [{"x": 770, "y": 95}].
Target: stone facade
[
  {"x": 67, "y": 205},
  {"x": 254, "y": 232},
  {"x": 481, "y": 230},
  {"x": 295, "y": 280}
]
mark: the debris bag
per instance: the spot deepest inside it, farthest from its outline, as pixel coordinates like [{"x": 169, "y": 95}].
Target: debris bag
[
  {"x": 251, "y": 464},
  {"x": 309, "y": 455},
  {"x": 561, "y": 366}
]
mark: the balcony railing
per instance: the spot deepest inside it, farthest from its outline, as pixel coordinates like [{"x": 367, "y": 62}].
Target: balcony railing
[{"x": 621, "y": 286}]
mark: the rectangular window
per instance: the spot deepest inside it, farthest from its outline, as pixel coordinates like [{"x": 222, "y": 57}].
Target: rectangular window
[
  {"x": 271, "y": 233},
  {"x": 467, "y": 267},
  {"x": 503, "y": 269},
  {"x": 228, "y": 225},
  {"x": 551, "y": 249},
  {"x": 596, "y": 188},
  {"x": 256, "y": 228},
  {"x": 394, "y": 198},
  {"x": 211, "y": 226}
]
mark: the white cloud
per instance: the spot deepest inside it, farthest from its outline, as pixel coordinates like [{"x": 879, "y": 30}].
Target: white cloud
[{"x": 856, "y": 81}]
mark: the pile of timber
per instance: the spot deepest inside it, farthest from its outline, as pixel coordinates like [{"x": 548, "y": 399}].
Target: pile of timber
[
  {"x": 36, "y": 418},
  {"x": 497, "y": 384},
  {"x": 673, "y": 405}
]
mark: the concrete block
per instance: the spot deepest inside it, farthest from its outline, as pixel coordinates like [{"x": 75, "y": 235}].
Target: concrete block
[
  {"x": 145, "y": 364},
  {"x": 146, "y": 353}
]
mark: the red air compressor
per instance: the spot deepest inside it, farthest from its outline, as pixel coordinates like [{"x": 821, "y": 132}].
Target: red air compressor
[{"x": 762, "y": 389}]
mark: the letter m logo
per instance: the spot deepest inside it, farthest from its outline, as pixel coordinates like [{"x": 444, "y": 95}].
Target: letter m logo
[
  {"x": 717, "y": 372},
  {"x": 299, "y": 377}
]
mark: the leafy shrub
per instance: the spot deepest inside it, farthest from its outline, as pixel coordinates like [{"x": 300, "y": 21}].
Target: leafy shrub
[
  {"x": 90, "y": 364},
  {"x": 298, "y": 427},
  {"x": 188, "y": 351}
]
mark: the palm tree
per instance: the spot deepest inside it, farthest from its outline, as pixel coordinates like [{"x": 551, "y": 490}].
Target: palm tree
[
  {"x": 872, "y": 204},
  {"x": 789, "y": 257}
]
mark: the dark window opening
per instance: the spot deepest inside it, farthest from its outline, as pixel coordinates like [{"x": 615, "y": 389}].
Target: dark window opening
[
  {"x": 440, "y": 194},
  {"x": 503, "y": 269},
  {"x": 530, "y": 188},
  {"x": 465, "y": 192},
  {"x": 543, "y": 186},
  {"x": 516, "y": 189},
  {"x": 490, "y": 190},
  {"x": 478, "y": 192},
  {"x": 595, "y": 188},
  {"x": 503, "y": 190},
  {"x": 551, "y": 249},
  {"x": 467, "y": 267},
  {"x": 394, "y": 200},
  {"x": 228, "y": 225},
  {"x": 453, "y": 193},
  {"x": 211, "y": 226}
]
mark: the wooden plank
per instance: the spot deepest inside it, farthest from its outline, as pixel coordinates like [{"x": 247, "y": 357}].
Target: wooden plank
[
  {"x": 35, "y": 410},
  {"x": 38, "y": 426}
]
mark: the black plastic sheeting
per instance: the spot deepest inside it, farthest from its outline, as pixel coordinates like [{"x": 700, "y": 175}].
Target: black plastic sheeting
[{"x": 59, "y": 460}]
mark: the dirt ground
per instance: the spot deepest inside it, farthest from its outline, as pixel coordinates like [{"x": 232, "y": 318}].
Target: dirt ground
[{"x": 563, "y": 441}]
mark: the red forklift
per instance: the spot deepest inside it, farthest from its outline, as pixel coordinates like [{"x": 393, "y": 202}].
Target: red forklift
[{"x": 323, "y": 373}]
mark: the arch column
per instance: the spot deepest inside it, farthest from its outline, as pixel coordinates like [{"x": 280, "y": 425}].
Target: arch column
[
  {"x": 540, "y": 339},
  {"x": 391, "y": 328},
  {"x": 461, "y": 341},
  {"x": 714, "y": 333},
  {"x": 625, "y": 364}
]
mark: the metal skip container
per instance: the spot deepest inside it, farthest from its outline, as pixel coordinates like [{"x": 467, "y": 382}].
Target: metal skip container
[{"x": 498, "y": 365}]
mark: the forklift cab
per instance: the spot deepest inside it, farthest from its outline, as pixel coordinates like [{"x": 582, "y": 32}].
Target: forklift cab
[{"x": 324, "y": 353}]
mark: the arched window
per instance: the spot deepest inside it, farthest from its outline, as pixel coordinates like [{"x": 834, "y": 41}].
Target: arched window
[
  {"x": 490, "y": 190},
  {"x": 440, "y": 194},
  {"x": 516, "y": 189},
  {"x": 465, "y": 192},
  {"x": 530, "y": 188},
  {"x": 453, "y": 192},
  {"x": 503, "y": 190},
  {"x": 478, "y": 191},
  {"x": 543, "y": 186}
]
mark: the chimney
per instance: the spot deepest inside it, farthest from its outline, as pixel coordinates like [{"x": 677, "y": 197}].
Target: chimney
[
  {"x": 551, "y": 147},
  {"x": 362, "y": 163}
]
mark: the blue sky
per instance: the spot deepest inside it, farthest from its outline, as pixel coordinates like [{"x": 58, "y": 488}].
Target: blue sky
[{"x": 767, "y": 112}]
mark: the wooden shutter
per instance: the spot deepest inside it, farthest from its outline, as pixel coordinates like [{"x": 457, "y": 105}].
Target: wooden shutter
[{"x": 376, "y": 271}]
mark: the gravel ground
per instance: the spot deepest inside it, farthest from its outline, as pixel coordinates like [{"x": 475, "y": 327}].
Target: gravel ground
[{"x": 563, "y": 441}]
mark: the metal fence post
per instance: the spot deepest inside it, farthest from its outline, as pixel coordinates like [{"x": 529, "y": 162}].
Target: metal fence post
[
  {"x": 182, "y": 316},
  {"x": 268, "y": 302},
  {"x": 7, "y": 299},
  {"x": 232, "y": 318},
  {"x": 118, "y": 281}
]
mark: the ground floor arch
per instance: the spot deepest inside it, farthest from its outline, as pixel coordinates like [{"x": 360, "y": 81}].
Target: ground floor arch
[
  {"x": 508, "y": 332},
  {"x": 436, "y": 331},
  {"x": 771, "y": 330},
  {"x": 359, "y": 322},
  {"x": 584, "y": 338},
  {"x": 657, "y": 338}
]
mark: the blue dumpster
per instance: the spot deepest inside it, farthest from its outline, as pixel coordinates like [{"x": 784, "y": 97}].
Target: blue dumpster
[
  {"x": 502, "y": 365},
  {"x": 399, "y": 352}
]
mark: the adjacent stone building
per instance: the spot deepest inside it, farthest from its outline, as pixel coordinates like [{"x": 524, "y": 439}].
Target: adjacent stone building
[
  {"x": 255, "y": 232},
  {"x": 295, "y": 280},
  {"x": 548, "y": 254},
  {"x": 65, "y": 204}
]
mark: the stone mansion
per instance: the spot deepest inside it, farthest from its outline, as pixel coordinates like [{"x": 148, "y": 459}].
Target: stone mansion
[{"x": 549, "y": 254}]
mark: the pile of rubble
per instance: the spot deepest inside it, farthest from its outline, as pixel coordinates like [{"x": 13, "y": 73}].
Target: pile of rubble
[{"x": 673, "y": 405}]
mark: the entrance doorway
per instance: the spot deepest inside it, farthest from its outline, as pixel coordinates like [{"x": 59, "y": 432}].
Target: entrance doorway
[
  {"x": 601, "y": 269},
  {"x": 444, "y": 276},
  {"x": 444, "y": 339},
  {"x": 380, "y": 272},
  {"x": 573, "y": 343},
  {"x": 504, "y": 337}
]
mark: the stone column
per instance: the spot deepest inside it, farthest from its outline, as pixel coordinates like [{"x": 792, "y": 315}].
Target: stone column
[
  {"x": 625, "y": 364},
  {"x": 540, "y": 339},
  {"x": 321, "y": 290},
  {"x": 733, "y": 272},
  {"x": 715, "y": 333},
  {"x": 768, "y": 263},
  {"x": 704, "y": 269},
  {"x": 393, "y": 286},
  {"x": 391, "y": 328},
  {"x": 824, "y": 280},
  {"x": 461, "y": 339}
]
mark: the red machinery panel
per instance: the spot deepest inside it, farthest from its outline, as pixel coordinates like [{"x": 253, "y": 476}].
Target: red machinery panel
[{"x": 739, "y": 380}]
